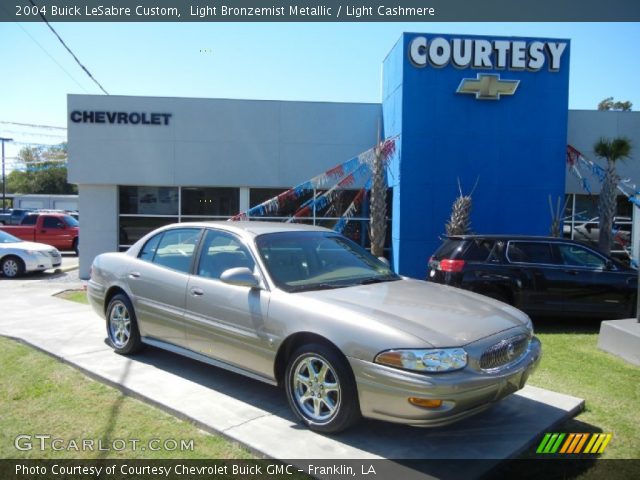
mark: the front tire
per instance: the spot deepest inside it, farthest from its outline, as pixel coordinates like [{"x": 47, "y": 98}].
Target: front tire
[
  {"x": 75, "y": 247},
  {"x": 122, "y": 326},
  {"x": 12, "y": 266},
  {"x": 321, "y": 389}
]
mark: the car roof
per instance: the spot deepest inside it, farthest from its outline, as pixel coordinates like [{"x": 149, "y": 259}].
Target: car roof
[
  {"x": 537, "y": 238},
  {"x": 254, "y": 228}
]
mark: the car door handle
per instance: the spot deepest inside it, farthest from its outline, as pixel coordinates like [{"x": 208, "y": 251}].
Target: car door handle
[
  {"x": 196, "y": 292},
  {"x": 571, "y": 272},
  {"x": 134, "y": 275}
]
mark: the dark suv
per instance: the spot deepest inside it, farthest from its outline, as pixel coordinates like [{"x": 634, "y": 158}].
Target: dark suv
[{"x": 539, "y": 275}]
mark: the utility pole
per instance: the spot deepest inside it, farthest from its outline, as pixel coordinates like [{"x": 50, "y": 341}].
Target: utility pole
[{"x": 4, "y": 178}]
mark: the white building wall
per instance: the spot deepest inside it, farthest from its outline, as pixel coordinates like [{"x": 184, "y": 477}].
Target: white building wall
[
  {"x": 98, "y": 223},
  {"x": 586, "y": 127}
]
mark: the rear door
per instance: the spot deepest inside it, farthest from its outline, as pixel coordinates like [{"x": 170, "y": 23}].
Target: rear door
[
  {"x": 158, "y": 279},
  {"x": 540, "y": 278}
]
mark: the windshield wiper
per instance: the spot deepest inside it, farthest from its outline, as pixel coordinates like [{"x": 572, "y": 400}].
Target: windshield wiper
[
  {"x": 316, "y": 286},
  {"x": 385, "y": 278}
]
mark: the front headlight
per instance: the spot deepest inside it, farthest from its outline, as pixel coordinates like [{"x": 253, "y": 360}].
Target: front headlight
[
  {"x": 429, "y": 360},
  {"x": 529, "y": 325}
]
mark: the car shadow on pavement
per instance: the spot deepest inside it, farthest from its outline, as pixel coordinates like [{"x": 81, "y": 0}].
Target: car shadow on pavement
[{"x": 500, "y": 432}]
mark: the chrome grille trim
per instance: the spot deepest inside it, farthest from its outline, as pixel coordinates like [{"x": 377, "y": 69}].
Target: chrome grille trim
[{"x": 505, "y": 352}]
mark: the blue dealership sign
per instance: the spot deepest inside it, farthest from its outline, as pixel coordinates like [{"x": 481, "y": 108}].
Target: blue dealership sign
[{"x": 486, "y": 109}]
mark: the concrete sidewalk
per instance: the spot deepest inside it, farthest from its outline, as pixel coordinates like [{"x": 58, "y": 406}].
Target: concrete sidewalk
[{"x": 257, "y": 414}]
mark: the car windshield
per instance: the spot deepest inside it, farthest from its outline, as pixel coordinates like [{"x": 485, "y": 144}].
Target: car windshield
[
  {"x": 299, "y": 261},
  {"x": 6, "y": 238}
]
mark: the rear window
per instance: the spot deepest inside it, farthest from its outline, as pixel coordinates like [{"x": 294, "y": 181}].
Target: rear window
[
  {"x": 450, "y": 248},
  {"x": 29, "y": 220}
]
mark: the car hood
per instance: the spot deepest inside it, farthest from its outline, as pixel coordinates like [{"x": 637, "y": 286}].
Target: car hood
[
  {"x": 40, "y": 247},
  {"x": 439, "y": 315}
]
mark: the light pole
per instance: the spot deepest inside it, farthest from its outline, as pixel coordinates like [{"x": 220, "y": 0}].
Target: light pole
[{"x": 4, "y": 179}]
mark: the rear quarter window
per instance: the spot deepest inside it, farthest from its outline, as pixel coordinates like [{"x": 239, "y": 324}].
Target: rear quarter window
[
  {"x": 479, "y": 250},
  {"x": 450, "y": 248}
]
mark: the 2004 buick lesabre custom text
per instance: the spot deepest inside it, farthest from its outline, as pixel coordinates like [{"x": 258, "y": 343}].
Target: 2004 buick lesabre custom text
[{"x": 306, "y": 308}]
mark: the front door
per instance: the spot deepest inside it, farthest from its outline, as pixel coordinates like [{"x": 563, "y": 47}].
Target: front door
[{"x": 224, "y": 321}]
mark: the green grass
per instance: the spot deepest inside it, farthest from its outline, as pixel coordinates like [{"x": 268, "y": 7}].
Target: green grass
[
  {"x": 41, "y": 395},
  {"x": 79, "y": 296},
  {"x": 573, "y": 364}
]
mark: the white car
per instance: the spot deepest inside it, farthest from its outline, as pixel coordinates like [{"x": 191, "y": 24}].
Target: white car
[{"x": 18, "y": 257}]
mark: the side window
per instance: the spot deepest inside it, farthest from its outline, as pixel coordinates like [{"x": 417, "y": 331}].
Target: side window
[
  {"x": 530, "y": 252},
  {"x": 52, "y": 222},
  {"x": 222, "y": 251},
  {"x": 149, "y": 249},
  {"x": 580, "y": 257},
  {"x": 176, "y": 248},
  {"x": 29, "y": 220}
]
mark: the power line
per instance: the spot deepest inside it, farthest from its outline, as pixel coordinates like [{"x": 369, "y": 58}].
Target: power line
[
  {"x": 69, "y": 50},
  {"x": 53, "y": 59},
  {"x": 35, "y": 134},
  {"x": 48, "y": 127}
]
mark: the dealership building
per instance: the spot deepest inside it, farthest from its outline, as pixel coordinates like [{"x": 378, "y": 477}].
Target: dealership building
[{"x": 489, "y": 112}]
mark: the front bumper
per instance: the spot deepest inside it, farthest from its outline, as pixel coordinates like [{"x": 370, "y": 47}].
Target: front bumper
[
  {"x": 384, "y": 391},
  {"x": 41, "y": 262}
]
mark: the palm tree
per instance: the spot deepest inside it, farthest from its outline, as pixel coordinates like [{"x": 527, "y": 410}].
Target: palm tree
[
  {"x": 612, "y": 151},
  {"x": 378, "y": 203}
]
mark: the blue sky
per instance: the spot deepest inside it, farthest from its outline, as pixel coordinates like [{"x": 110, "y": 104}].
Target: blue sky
[{"x": 309, "y": 61}]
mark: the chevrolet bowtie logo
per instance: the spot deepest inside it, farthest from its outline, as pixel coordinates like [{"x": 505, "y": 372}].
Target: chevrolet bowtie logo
[{"x": 488, "y": 86}]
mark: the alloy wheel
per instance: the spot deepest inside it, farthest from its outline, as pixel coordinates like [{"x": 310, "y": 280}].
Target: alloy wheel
[
  {"x": 316, "y": 389},
  {"x": 119, "y": 325}
]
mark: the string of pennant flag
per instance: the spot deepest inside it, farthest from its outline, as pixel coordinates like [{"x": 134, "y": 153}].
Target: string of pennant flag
[
  {"x": 584, "y": 168},
  {"x": 327, "y": 188}
]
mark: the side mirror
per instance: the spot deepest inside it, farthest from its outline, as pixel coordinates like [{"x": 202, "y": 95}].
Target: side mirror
[
  {"x": 241, "y": 276},
  {"x": 609, "y": 265},
  {"x": 385, "y": 261}
]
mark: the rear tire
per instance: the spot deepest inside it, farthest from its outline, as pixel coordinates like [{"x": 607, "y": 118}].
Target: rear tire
[
  {"x": 321, "y": 389},
  {"x": 12, "y": 266},
  {"x": 122, "y": 326}
]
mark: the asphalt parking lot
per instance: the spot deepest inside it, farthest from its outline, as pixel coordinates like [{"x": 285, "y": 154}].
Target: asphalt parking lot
[{"x": 251, "y": 412}]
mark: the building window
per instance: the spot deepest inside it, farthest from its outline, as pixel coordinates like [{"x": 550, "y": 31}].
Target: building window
[
  {"x": 149, "y": 200},
  {"x": 145, "y": 208},
  {"x": 210, "y": 202}
]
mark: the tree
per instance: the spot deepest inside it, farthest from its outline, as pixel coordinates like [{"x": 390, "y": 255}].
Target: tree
[
  {"x": 378, "y": 203},
  {"x": 41, "y": 170},
  {"x": 460, "y": 220},
  {"x": 609, "y": 104},
  {"x": 612, "y": 151}
]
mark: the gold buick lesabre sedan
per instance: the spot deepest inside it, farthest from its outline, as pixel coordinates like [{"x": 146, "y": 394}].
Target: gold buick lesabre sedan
[{"x": 306, "y": 308}]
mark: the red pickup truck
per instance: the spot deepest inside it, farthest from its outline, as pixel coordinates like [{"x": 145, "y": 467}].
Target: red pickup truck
[{"x": 55, "y": 229}]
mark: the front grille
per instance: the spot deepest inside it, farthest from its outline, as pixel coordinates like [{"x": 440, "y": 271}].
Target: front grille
[{"x": 506, "y": 351}]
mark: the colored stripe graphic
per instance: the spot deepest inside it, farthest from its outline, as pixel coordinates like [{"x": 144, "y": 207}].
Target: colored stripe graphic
[
  {"x": 573, "y": 443},
  {"x": 543, "y": 443},
  {"x": 567, "y": 443}
]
